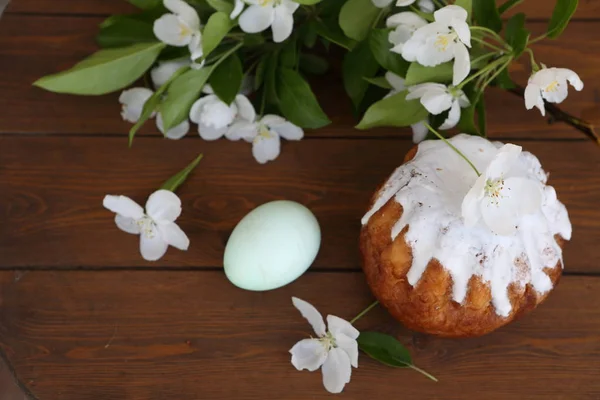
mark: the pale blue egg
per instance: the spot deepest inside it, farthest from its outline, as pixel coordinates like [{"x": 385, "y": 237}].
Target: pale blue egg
[{"x": 272, "y": 246}]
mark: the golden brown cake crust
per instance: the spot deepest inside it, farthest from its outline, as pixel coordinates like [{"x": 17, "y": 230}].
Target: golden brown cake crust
[{"x": 428, "y": 307}]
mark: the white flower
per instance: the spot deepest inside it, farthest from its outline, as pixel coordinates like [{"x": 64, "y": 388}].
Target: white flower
[
  {"x": 499, "y": 197},
  {"x": 156, "y": 227},
  {"x": 166, "y": 69},
  {"x": 336, "y": 349},
  {"x": 419, "y": 129},
  {"x": 214, "y": 117},
  {"x": 550, "y": 84},
  {"x": 406, "y": 23},
  {"x": 441, "y": 41},
  {"x": 437, "y": 98},
  {"x": 181, "y": 28},
  {"x": 237, "y": 9},
  {"x": 426, "y": 6},
  {"x": 262, "y": 14},
  {"x": 132, "y": 103},
  {"x": 265, "y": 135}
]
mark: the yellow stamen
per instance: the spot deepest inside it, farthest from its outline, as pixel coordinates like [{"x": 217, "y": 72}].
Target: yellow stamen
[
  {"x": 184, "y": 30},
  {"x": 552, "y": 87},
  {"x": 442, "y": 42}
]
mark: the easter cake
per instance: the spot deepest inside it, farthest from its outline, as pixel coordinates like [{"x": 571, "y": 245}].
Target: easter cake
[{"x": 463, "y": 238}]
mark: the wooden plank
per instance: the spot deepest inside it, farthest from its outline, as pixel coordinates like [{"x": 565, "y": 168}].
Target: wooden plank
[
  {"x": 8, "y": 387},
  {"x": 157, "y": 335},
  {"x": 588, "y": 9},
  {"x": 62, "y": 41},
  {"x": 52, "y": 189}
]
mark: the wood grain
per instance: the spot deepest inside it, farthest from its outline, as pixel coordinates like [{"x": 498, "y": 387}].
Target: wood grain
[
  {"x": 588, "y": 9},
  {"x": 62, "y": 41},
  {"x": 52, "y": 190},
  {"x": 158, "y": 335}
]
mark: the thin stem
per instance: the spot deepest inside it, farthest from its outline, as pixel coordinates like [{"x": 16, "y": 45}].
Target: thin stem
[
  {"x": 363, "y": 312},
  {"x": 534, "y": 65},
  {"x": 425, "y": 16},
  {"x": 481, "y": 58},
  {"x": 488, "y": 44},
  {"x": 438, "y": 3},
  {"x": 537, "y": 39},
  {"x": 495, "y": 74},
  {"x": 489, "y": 32},
  {"x": 484, "y": 70},
  {"x": 436, "y": 133},
  {"x": 381, "y": 13},
  {"x": 419, "y": 370}
]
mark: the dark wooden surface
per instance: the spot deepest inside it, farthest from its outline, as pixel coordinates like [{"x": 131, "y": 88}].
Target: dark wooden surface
[{"x": 83, "y": 317}]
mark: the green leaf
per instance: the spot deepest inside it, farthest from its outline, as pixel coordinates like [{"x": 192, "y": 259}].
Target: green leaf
[
  {"x": 270, "y": 86},
  {"x": 105, "y": 71},
  {"x": 417, "y": 73},
  {"x": 309, "y": 34},
  {"x": 259, "y": 75},
  {"x": 393, "y": 111},
  {"x": 177, "y": 180},
  {"x": 563, "y": 11},
  {"x": 331, "y": 31},
  {"x": 307, "y": 2},
  {"x": 297, "y": 101},
  {"x": 481, "y": 117},
  {"x": 216, "y": 29},
  {"x": 149, "y": 107},
  {"x": 313, "y": 64},
  {"x": 289, "y": 54},
  {"x": 508, "y": 5},
  {"x": 379, "y": 81},
  {"x": 357, "y": 17},
  {"x": 253, "y": 40},
  {"x": 504, "y": 81},
  {"x": 486, "y": 14},
  {"x": 380, "y": 47},
  {"x": 467, "y": 5},
  {"x": 384, "y": 348},
  {"x": 516, "y": 34},
  {"x": 226, "y": 80},
  {"x": 466, "y": 124},
  {"x": 145, "y": 4},
  {"x": 124, "y": 32},
  {"x": 359, "y": 63},
  {"x": 221, "y": 5}
]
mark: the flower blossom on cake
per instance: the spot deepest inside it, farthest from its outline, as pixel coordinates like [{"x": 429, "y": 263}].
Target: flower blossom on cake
[
  {"x": 156, "y": 226},
  {"x": 215, "y": 118},
  {"x": 437, "y": 98},
  {"x": 441, "y": 41},
  {"x": 426, "y": 6},
  {"x": 265, "y": 135},
  {"x": 499, "y": 197},
  {"x": 132, "y": 104},
  {"x": 405, "y": 24},
  {"x": 262, "y": 14},
  {"x": 419, "y": 129},
  {"x": 181, "y": 28},
  {"x": 550, "y": 84},
  {"x": 335, "y": 350}
]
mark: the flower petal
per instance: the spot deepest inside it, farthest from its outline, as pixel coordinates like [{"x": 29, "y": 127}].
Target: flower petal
[
  {"x": 408, "y": 18},
  {"x": 533, "y": 98},
  {"x": 210, "y": 133},
  {"x": 418, "y": 91},
  {"x": 572, "y": 77},
  {"x": 396, "y": 81},
  {"x": 152, "y": 245},
  {"x": 471, "y": 211},
  {"x": 337, "y": 370},
  {"x": 462, "y": 30},
  {"x": 256, "y": 18},
  {"x": 126, "y": 224},
  {"x": 420, "y": 131},
  {"x": 169, "y": 29},
  {"x": 176, "y": 132},
  {"x": 447, "y": 14},
  {"x": 163, "y": 206},
  {"x": 124, "y": 206},
  {"x": 426, "y": 6},
  {"x": 245, "y": 108},
  {"x": 132, "y": 102},
  {"x": 283, "y": 24},
  {"x": 242, "y": 130},
  {"x": 290, "y": 5},
  {"x": 500, "y": 218},
  {"x": 403, "y": 3},
  {"x": 272, "y": 119},
  {"x": 165, "y": 70},
  {"x": 500, "y": 166},
  {"x": 350, "y": 346},
  {"x": 411, "y": 49},
  {"x": 308, "y": 354},
  {"x": 337, "y": 325},
  {"x": 526, "y": 193},
  {"x": 195, "y": 47},
  {"x": 237, "y": 9},
  {"x": 198, "y": 107},
  {"x": 383, "y": 3},
  {"x": 173, "y": 235},
  {"x": 436, "y": 50},
  {"x": 462, "y": 64},
  {"x": 453, "y": 116},
  {"x": 288, "y": 131},
  {"x": 312, "y": 315},
  {"x": 184, "y": 11},
  {"x": 437, "y": 102}
]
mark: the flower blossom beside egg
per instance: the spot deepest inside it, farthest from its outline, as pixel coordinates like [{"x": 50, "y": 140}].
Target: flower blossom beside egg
[
  {"x": 156, "y": 226},
  {"x": 335, "y": 350},
  {"x": 550, "y": 84},
  {"x": 500, "y": 197}
]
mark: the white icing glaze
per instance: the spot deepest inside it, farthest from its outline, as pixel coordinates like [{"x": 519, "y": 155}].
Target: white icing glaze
[{"x": 431, "y": 188}]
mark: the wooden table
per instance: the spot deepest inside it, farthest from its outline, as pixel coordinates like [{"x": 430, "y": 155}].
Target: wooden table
[{"x": 82, "y": 316}]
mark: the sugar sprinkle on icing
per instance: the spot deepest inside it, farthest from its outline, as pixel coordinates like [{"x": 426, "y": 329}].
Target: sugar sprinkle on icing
[{"x": 431, "y": 188}]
